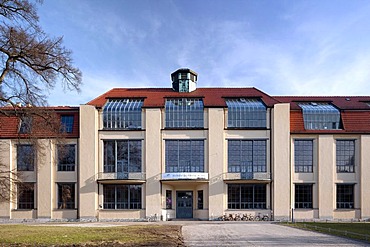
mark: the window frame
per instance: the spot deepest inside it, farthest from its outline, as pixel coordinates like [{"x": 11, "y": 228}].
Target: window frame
[
  {"x": 66, "y": 123},
  {"x": 71, "y": 203},
  {"x": 29, "y": 166},
  {"x": 302, "y": 199},
  {"x": 116, "y": 165},
  {"x": 179, "y": 160},
  {"x": 184, "y": 113},
  {"x": 123, "y": 114},
  {"x": 246, "y": 113},
  {"x": 255, "y": 159},
  {"x": 237, "y": 196},
  {"x": 345, "y": 190},
  {"x": 26, "y": 196},
  {"x": 342, "y": 154},
  {"x": 300, "y": 160},
  {"x": 200, "y": 199},
  {"x": 320, "y": 116},
  {"x": 168, "y": 199},
  {"x": 25, "y": 125},
  {"x": 66, "y": 167},
  {"x": 125, "y": 192}
]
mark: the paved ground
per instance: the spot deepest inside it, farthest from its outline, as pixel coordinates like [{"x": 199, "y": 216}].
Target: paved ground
[{"x": 257, "y": 234}]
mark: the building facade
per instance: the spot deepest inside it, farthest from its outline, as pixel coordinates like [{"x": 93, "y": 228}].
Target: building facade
[{"x": 200, "y": 153}]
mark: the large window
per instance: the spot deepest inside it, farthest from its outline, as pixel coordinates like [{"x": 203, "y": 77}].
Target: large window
[
  {"x": 184, "y": 113},
  {"x": 66, "y": 157},
  {"x": 246, "y": 113},
  {"x": 25, "y": 126},
  {"x": 26, "y": 196},
  {"x": 122, "y": 196},
  {"x": 25, "y": 158},
  {"x": 303, "y": 196},
  {"x": 67, "y": 123},
  {"x": 345, "y": 196},
  {"x": 121, "y": 114},
  {"x": 168, "y": 199},
  {"x": 184, "y": 156},
  {"x": 122, "y": 156},
  {"x": 303, "y": 155},
  {"x": 345, "y": 155},
  {"x": 200, "y": 199},
  {"x": 66, "y": 195},
  {"x": 320, "y": 116},
  {"x": 246, "y": 157},
  {"x": 246, "y": 196}
]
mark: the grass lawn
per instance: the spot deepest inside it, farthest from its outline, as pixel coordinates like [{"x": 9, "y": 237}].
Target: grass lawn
[
  {"x": 145, "y": 235},
  {"x": 350, "y": 230}
]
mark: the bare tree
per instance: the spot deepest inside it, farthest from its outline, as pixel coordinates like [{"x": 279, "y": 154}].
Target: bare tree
[{"x": 31, "y": 63}]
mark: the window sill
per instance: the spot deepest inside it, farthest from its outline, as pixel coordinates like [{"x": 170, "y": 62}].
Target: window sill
[
  {"x": 115, "y": 210},
  {"x": 185, "y": 128},
  {"x": 64, "y": 209},
  {"x": 246, "y": 128},
  {"x": 122, "y": 129},
  {"x": 16, "y": 209},
  {"x": 345, "y": 209}
]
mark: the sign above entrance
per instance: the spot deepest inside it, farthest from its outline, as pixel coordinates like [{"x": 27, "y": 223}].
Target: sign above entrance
[{"x": 185, "y": 175}]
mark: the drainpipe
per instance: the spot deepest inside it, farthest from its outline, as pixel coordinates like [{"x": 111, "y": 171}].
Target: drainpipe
[{"x": 271, "y": 161}]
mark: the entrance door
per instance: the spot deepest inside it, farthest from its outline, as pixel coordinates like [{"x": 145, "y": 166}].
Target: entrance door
[{"x": 184, "y": 204}]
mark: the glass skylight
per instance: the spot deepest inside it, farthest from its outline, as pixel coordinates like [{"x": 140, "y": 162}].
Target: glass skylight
[
  {"x": 320, "y": 116},
  {"x": 246, "y": 113},
  {"x": 184, "y": 113},
  {"x": 122, "y": 114}
]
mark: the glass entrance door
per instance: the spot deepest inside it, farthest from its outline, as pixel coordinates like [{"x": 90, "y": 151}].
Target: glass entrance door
[{"x": 184, "y": 204}]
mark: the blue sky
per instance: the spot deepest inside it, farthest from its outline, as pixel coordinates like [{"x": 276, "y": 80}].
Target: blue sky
[{"x": 281, "y": 47}]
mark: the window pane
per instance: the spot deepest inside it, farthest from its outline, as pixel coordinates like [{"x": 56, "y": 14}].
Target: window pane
[
  {"x": 66, "y": 157},
  {"x": 184, "y": 113},
  {"x": 246, "y": 196},
  {"x": 129, "y": 156},
  {"x": 168, "y": 199},
  {"x": 184, "y": 156},
  {"x": 200, "y": 199},
  {"x": 303, "y": 156},
  {"x": 122, "y": 196},
  {"x": 122, "y": 114},
  {"x": 67, "y": 123},
  {"x": 320, "y": 116},
  {"x": 135, "y": 196},
  {"x": 26, "y": 196},
  {"x": 109, "y": 195},
  {"x": 25, "y": 158},
  {"x": 303, "y": 196},
  {"x": 66, "y": 195},
  {"x": 345, "y": 196},
  {"x": 246, "y": 113},
  {"x": 25, "y": 125},
  {"x": 109, "y": 156},
  {"x": 247, "y": 157},
  {"x": 345, "y": 155}
]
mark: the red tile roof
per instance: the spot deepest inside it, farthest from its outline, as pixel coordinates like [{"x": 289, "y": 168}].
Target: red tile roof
[
  {"x": 155, "y": 97},
  {"x": 353, "y": 122},
  {"x": 9, "y": 124},
  {"x": 341, "y": 102},
  {"x": 355, "y": 112}
]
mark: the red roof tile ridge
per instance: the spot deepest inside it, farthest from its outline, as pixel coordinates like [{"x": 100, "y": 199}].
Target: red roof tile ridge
[{"x": 322, "y": 96}]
